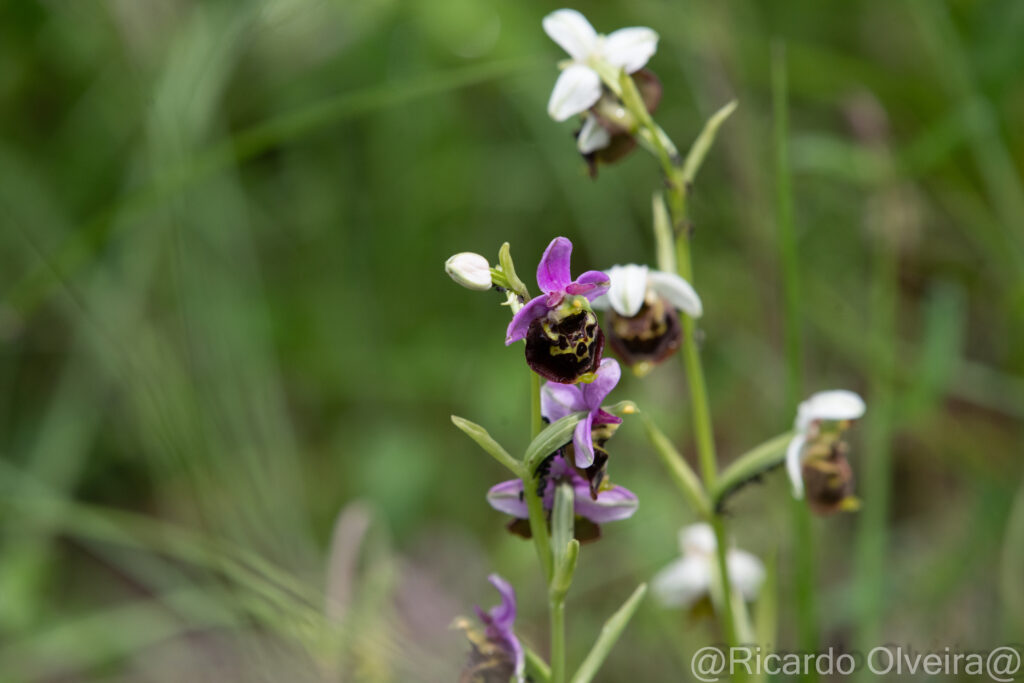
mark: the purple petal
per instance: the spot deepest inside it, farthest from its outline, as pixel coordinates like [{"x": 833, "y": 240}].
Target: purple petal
[
  {"x": 507, "y": 497},
  {"x": 591, "y": 284},
  {"x": 583, "y": 441},
  {"x": 553, "y": 272},
  {"x": 503, "y": 615},
  {"x": 612, "y": 505},
  {"x": 558, "y": 400},
  {"x": 603, "y": 417},
  {"x": 608, "y": 375},
  {"x": 534, "y": 309}
]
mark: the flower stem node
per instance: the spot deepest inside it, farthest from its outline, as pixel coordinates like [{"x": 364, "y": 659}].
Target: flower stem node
[{"x": 470, "y": 270}]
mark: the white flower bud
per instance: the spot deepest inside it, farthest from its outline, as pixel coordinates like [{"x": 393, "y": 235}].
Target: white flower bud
[{"x": 470, "y": 270}]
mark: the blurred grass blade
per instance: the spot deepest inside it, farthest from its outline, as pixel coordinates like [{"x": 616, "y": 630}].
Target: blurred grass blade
[
  {"x": 701, "y": 146},
  {"x": 680, "y": 471},
  {"x": 1011, "y": 587},
  {"x": 750, "y": 465},
  {"x": 487, "y": 442},
  {"x": 945, "y": 326},
  {"x": 766, "y": 614},
  {"x": 551, "y": 438},
  {"x": 610, "y": 633}
]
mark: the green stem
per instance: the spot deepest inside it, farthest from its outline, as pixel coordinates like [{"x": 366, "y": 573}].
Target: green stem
[
  {"x": 536, "y": 421},
  {"x": 557, "y": 607}
]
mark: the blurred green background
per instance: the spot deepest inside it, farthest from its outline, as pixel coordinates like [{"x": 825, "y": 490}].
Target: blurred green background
[{"x": 225, "y": 321}]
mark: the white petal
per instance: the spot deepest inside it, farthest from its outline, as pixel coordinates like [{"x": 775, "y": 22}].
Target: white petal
[
  {"x": 698, "y": 540},
  {"x": 572, "y": 32},
  {"x": 838, "y": 404},
  {"x": 576, "y": 91},
  {"x": 628, "y": 289},
  {"x": 746, "y": 572},
  {"x": 592, "y": 137},
  {"x": 683, "y": 582},
  {"x": 630, "y": 48},
  {"x": 677, "y": 292},
  {"x": 794, "y": 464}
]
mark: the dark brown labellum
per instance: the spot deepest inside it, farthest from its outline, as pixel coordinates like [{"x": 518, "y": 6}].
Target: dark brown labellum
[
  {"x": 622, "y": 143},
  {"x": 651, "y": 336},
  {"x": 564, "y": 350},
  {"x": 828, "y": 481},
  {"x": 488, "y": 661}
]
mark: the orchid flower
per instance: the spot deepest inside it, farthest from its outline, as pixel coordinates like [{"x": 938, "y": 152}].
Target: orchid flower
[
  {"x": 690, "y": 578},
  {"x": 499, "y": 621},
  {"x": 578, "y": 88},
  {"x": 643, "y": 327},
  {"x": 610, "y": 505},
  {"x": 559, "y": 400},
  {"x": 824, "y": 407},
  {"x": 563, "y": 340}
]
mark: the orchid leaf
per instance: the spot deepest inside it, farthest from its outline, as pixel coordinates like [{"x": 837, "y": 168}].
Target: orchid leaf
[
  {"x": 610, "y": 633},
  {"x": 699, "y": 150},
  {"x": 487, "y": 442},
  {"x": 553, "y": 437},
  {"x": 751, "y": 465}
]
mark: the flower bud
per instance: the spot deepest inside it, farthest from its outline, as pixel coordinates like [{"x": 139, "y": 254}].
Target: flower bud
[{"x": 470, "y": 270}]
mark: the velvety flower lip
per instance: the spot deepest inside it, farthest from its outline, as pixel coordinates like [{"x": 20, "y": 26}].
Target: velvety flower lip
[
  {"x": 611, "y": 505},
  {"x": 688, "y": 579},
  {"x": 499, "y": 622},
  {"x": 559, "y": 400},
  {"x": 829, "y": 406},
  {"x": 579, "y": 85},
  {"x": 555, "y": 280},
  {"x": 631, "y": 284}
]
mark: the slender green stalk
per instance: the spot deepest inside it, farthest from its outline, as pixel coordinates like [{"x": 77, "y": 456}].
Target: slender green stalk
[
  {"x": 536, "y": 421},
  {"x": 557, "y": 608},
  {"x": 678, "y": 175},
  {"x": 789, "y": 258}
]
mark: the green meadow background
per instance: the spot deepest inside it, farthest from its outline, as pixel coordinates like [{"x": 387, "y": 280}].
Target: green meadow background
[{"x": 228, "y": 344}]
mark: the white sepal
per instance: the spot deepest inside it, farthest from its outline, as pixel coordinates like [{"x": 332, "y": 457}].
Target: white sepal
[
  {"x": 628, "y": 289},
  {"x": 572, "y": 32},
  {"x": 593, "y": 136},
  {"x": 576, "y": 90},
  {"x": 630, "y": 48},
  {"x": 677, "y": 292}
]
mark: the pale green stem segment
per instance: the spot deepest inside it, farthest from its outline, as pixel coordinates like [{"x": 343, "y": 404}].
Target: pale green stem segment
[
  {"x": 751, "y": 464},
  {"x": 536, "y": 421},
  {"x": 566, "y": 550},
  {"x": 610, "y": 633}
]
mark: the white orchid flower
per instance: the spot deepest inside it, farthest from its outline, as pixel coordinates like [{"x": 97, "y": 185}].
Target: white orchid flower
[
  {"x": 829, "y": 406},
  {"x": 631, "y": 285},
  {"x": 684, "y": 582},
  {"x": 578, "y": 88}
]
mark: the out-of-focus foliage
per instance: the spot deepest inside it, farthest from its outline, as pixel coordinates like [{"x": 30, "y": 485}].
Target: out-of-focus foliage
[{"x": 225, "y": 318}]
